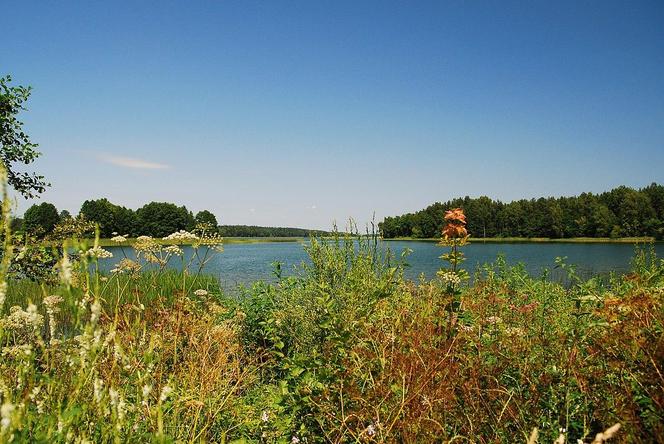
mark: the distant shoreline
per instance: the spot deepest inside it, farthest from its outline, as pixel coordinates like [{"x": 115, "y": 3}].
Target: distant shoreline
[
  {"x": 104, "y": 242},
  {"x": 489, "y": 240},
  {"x": 543, "y": 240}
]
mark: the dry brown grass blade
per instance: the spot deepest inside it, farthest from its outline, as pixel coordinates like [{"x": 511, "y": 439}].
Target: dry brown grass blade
[
  {"x": 533, "y": 436},
  {"x": 606, "y": 434}
]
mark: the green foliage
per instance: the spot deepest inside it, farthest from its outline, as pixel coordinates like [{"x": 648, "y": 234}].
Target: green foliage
[
  {"x": 622, "y": 212},
  {"x": 111, "y": 218},
  {"x": 206, "y": 217},
  {"x": 40, "y": 220},
  {"x": 161, "y": 219},
  {"x": 15, "y": 145},
  {"x": 254, "y": 231},
  {"x": 344, "y": 350}
]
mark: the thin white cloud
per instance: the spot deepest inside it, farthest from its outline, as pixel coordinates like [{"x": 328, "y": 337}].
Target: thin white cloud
[{"x": 130, "y": 162}]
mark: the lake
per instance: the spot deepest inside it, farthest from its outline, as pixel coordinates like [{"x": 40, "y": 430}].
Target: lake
[{"x": 246, "y": 263}]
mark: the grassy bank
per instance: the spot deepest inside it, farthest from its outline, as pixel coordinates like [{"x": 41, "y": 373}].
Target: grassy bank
[
  {"x": 579, "y": 240},
  {"x": 345, "y": 351},
  {"x": 106, "y": 242}
]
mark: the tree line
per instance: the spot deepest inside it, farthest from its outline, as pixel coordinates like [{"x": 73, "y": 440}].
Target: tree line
[
  {"x": 255, "y": 231},
  {"x": 156, "y": 219},
  {"x": 621, "y": 212}
]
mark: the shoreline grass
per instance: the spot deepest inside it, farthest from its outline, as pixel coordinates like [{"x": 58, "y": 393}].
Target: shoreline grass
[
  {"x": 571, "y": 240},
  {"x": 165, "y": 356},
  {"x": 105, "y": 242}
]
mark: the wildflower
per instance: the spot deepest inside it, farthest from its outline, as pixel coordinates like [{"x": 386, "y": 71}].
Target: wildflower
[
  {"x": 6, "y": 415},
  {"x": 264, "y": 416},
  {"x": 181, "y": 236},
  {"x": 449, "y": 277},
  {"x": 516, "y": 331},
  {"x": 455, "y": 226},
  {"x": 17, "y": 351},
  {"x": 201, "y": 292},
  {"x": 119, "y": 239},
  {"x": 145, "y": 245},
  {"x": 212, "y": 240},
  {"x": 295, "y": 440},
  {"x": 493, "y": 320},
  {"x": 65, "y": 269},
  {"x": 3, "y": 293},
  {"x": 23, "y": 321},
  {"x": 34, "y": 393},
  {"x": 455, "y": 215},
  {"x": 95, "y": 311},
  {"x": 98, "y": 389},
  {"x": 165, "y": 392},
  {"x": 147, "y": 388},
  {"x": 370, "y": 430},
  {"x": 174, "y": 250},
  {"x": 127, "y": 265},
  {"x": 454, "y": 230},
  {"x": 99, "y": 253},
  {"x": 51, "y": 303}
]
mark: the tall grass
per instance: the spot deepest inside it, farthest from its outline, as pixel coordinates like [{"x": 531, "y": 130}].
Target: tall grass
[{"x": 347, "y": 350}]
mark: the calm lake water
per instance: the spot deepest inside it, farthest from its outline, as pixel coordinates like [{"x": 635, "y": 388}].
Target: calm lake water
[{"x": 247, "y": 263}]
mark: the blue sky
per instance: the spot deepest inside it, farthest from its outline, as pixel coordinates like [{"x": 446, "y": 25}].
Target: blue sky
[{"x": 303, "y": 113}]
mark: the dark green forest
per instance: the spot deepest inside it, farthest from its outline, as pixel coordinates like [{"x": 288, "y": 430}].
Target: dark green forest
[
  {"x": 156, "y": 219},
  {"x": 621, "y": 212},
  {"x": 254, "y": 231}
]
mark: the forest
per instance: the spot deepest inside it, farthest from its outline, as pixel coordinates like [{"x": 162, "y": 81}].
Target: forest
[
  {"x": 621, "y": 212},
  {"x": 156, "y": 219},
  {"x": 255, "y": 231}
]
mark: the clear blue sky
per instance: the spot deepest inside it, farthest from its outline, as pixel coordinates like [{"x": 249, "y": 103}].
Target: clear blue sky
[{"x": 302, "y": 113}]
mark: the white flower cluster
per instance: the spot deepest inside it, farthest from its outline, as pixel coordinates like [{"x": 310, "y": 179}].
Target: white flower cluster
[
  {"x": 17, "y": 351},
  {"x": 51, "y": 303},
  {"x": 515, "y": 331},
  {"x": 64, "y": 268},
  {"x": 449, "y": 277},
  {"x": 201, "y": 292},
  {"x": 181, "y": 236},
  {"x": 492, "y": 320},
  {"x": 119, "y": 239},
  {"x": 212, "y": 240},
  {"x": 146, "y": 244},
  {"x": 3, "y": 293},
  {"x": 165, "y": 393},
  {"x": 174, "y": 250},
  {"x": 6, "y": 416},
  {"x": 99, "y": 253},
  {"x": 128, "y": 266},
  {"x": 20, "y": 320}
]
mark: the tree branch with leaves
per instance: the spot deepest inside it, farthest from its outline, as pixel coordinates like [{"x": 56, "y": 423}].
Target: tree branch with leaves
[{"x": 15, "y": 145}]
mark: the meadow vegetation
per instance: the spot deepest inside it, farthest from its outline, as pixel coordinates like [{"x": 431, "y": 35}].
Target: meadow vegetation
[{"x": 346, "y": 350}]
